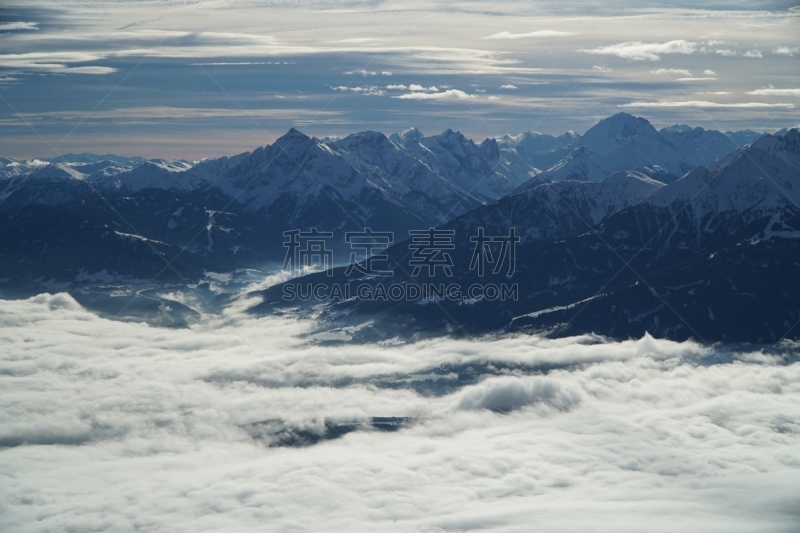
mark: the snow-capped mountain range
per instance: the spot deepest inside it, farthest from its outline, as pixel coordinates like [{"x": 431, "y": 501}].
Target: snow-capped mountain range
[
  {"x": 711, "y": 256},
  {"x": 682, "y": 212}
]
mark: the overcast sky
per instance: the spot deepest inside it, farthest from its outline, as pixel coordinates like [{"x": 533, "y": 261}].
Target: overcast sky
[{"x": 199, "y": 79}]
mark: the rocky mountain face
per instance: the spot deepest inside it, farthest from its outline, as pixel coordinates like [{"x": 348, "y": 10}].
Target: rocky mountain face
[
  {"x": 363, "y": 180},
  {"x": 712, "y": 256},
  {"x": 630, "y": 229}
]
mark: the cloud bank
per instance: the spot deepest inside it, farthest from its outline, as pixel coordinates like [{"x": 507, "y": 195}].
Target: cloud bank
[
  {"x": 120, "y": 426},
  {"x": 640, "y": 51},
  {"x": 450, "y": 94},
  {"x": 537, "y": 33}
]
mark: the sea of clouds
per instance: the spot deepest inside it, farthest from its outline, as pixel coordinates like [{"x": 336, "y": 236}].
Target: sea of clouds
[{"x": 123, "y": 426}]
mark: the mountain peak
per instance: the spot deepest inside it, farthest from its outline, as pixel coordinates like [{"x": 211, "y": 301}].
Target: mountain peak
[
  {"x": 622, "y": 125},
  {"x": 294, "y": 141},
  {"x": 294, "y": 132},
  {"x": 410, "y": 135},
  {"x": 676, "y": 128},
  {"x": 602, "y": 137}
]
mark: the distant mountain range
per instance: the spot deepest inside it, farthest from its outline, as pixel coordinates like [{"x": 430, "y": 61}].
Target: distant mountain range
[
  {"x": 682, "y": 232},
  {"x": 713, "y": 256}
]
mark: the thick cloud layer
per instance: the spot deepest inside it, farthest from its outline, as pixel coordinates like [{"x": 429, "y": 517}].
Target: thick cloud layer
[{"x": 114, "y": 426}]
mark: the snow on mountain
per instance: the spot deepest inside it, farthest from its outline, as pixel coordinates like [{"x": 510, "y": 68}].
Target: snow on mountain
[
  {"x": 149, "y": 174},
  {"x": 207, "y": 171},
  {"x": 744, "y": 137},
  {"x": 295, "y": 165},
  {"x": 431, "y": 179},
  {"x": 700, "y": 146},
  {"x": 410, "y": 135},
  {"x": 10, "y": 168},
  {"x": 555, "y": 210},
  {"x": 390, "y": 167},
  {"x": 48, "y": 185},
  {"x": 783, "y": 131},
  {"x": 536, "y": 142},
  {"x": 39, "y": 182},
  {"x": 636, "y": 255},
  {"x": 537, "y": 150},
  {"x": 476, "y": 172},
  {"x": 580, "y": 165},
  {"x": 604, "y": 137},
  {"x": 786, "y": 146},
  {"x": 624, "y": 142},
  {"x": 756, "y": 183}
]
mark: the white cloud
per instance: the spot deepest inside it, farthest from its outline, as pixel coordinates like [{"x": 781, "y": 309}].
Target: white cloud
[
  {"x": 386, "y": 73},
  {"x": 700, "y": 78},
  {"x": 639, "y": 51},
  {"x": 708, "y": 72},
  {"x": 600, "y": 68},
  {"x": 786, "y": 51},
  {"x": 450, "y": 94},
  {"x": 493, "y": 97},
  {"x": 399, "y": 87},
  {"x": 149, "y": 428},
  {"x": 754, "y": 53},
  {"x": 537, "y": 33},
  {"x": 372, "y": 90},
  {"x": 86, "y": 70},
  {"x": 706, "y": 104},
  {"x": 357, "y": 40},
  {"x": 417, "y": 87},
  {"x": 361, "y": 72},
  {"x": 662, "y": 71},
  {"x": 508, "y": 86},
  {"x": 55, "y": 62},
  {"x": 726, "y": 52},
  {"x": 772, "y": 91},
  {"x": 9, "y": 26}
]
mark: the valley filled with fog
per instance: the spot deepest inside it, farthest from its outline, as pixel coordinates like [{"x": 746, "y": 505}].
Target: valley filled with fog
[{"x": 233, "y": 421}]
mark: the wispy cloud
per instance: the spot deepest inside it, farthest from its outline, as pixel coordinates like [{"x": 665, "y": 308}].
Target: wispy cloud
[
  {"x": 664, "y": 71},
  {"x": 9, "y": 26},
  {"x": 726, "y": 52},
  {"x": 786, "y": 51},
  {"x": 754, "y": 53},
  {"x": 640, "y": 51},
  {"x": 705, "y": 104},
  {"x": 450, "y": 94},
  {"x": 361, "y": 72},
  {"x": 55, "y": 62},
  {"x": 508, "y": 86},
  {"x": 397, "y": 87},
  {"x": 772, "y": 91},
  {"x": 416, "y": 87},
  {"x": 600, "y": 68},
  {"x": 372, "y": 90},
  {"x": 537, "y": 33}
]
